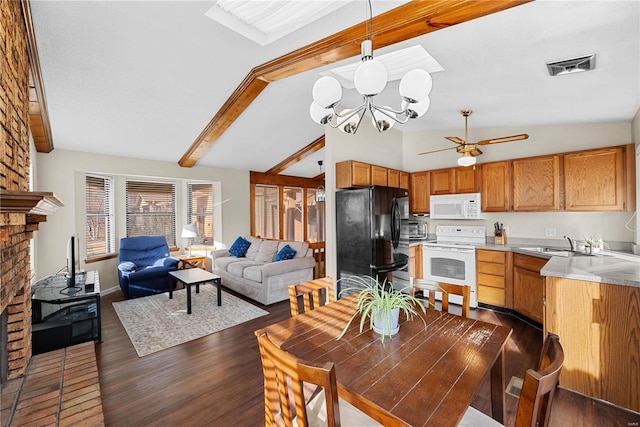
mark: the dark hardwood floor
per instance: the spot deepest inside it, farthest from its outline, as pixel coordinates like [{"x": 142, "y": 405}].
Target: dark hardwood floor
[{"x": 217, "y": 380}]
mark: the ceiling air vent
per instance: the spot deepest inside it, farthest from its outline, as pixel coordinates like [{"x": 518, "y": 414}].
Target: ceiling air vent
[{"x": 574, "y": 65}]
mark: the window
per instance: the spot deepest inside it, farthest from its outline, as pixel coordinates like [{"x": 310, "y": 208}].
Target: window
[
  {"x": 200, "y": 211},
  {"x": 100, "y": 214},
  {"x": 266, "y": 216},
  {"x": 315, "y": 217},
  {"x": 292, "y": 215},
  {"x": 151, "y": 209}
]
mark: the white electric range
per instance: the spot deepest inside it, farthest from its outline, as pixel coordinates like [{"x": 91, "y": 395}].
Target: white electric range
[{"x": 451, "y": 258}]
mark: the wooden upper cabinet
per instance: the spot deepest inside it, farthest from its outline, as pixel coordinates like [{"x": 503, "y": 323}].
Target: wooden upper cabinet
[
  {"x": 404, "y": 180},
  {"x": 594, "y": 180},
  {"x": 351, "y": 174},
  {"x": 420, "y": 191},
  {"x": 466, "y": 179},
  {"x": 442, "y": 181},
  {"x": 536, "y": 183},
  {"x": 496, "y": 187},
  {"x": 454, "y": 180},
  {"x": 393, "y": 178},
  {"x": 378, "y": 175}
]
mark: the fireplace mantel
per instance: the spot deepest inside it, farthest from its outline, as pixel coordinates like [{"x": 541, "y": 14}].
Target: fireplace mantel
[{"x": 29, "y": 202}]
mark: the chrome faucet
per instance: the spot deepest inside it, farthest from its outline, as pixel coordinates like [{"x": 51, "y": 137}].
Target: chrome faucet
[{"x": 571, "y": 244}]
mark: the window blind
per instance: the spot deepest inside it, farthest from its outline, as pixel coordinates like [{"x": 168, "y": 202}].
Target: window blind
[
  {"x": 151, "y": 209},
  {"x": 200, "y": 211},
  {"x": 100, "y": 215}
]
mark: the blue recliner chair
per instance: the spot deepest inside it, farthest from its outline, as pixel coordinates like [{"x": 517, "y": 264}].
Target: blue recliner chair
[{"x": 144, "y": 266}]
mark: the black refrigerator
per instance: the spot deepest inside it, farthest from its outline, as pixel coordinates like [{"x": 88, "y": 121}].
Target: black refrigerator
[{"x": 368, "y": 224}]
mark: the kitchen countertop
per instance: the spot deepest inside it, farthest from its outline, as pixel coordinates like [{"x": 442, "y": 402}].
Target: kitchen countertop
[{"x": 617, "y": 268}]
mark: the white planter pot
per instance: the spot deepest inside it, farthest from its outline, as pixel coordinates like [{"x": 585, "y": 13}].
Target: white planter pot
[{"x": 386, "y": 323}]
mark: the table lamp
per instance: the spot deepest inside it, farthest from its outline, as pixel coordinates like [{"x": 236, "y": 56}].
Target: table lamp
[{"x": 189, "y": 231}]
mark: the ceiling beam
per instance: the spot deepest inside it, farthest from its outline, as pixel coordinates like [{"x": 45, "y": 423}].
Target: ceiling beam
[
  {"x": 410, "y": 20},
  {"x": 316, "y": 145},
  {"x": 38, "y": 112}
]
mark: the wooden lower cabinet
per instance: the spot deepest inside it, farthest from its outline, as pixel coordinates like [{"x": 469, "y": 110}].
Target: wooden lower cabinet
[
  {"x": 528, "y": 286},
  {"x": 415, "y": 261},
  {"x": 494, "y": 284},
  {"x": 599, "y": 329}
]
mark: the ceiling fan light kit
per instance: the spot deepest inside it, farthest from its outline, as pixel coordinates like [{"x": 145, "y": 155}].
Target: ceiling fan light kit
[
  {"x": 370, "y": 79},
  {"x": 470, "y": 151}
]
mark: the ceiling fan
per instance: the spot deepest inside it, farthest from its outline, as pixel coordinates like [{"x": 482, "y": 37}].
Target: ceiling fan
[{"x": 469, "y": 151}]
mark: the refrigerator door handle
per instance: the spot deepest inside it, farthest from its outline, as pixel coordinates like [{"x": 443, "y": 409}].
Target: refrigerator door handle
[{"x": 395, "y": 223}]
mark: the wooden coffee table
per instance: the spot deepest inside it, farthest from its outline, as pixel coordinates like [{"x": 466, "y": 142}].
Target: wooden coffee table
[{"x": 196, "y": 276}]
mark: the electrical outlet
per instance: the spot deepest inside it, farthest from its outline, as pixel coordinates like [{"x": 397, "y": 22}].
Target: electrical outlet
[
  {"x": 505, "y": 230},
  {"x": 550, "y": 232}
]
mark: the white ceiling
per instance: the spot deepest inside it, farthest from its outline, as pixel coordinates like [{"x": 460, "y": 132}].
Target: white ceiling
[{"x": 143, "y": 79}]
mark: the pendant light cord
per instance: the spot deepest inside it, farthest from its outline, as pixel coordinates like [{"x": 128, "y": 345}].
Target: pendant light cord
[{"x": 370, "y": 20}]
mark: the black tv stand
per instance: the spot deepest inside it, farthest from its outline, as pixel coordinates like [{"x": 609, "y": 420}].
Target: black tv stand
[{"x": 63, "y": 316}]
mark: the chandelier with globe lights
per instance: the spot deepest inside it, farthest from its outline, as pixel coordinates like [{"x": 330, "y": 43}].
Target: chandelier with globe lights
[{"x": 370, "y": 79}]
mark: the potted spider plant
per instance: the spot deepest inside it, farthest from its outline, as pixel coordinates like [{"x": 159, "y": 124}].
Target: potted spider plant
[{"x": 380, "y": 304}]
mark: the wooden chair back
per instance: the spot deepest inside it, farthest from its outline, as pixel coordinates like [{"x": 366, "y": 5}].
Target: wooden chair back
[
  {"x": 284, "y": 375},
  {"x": 429, "y": 290},
  {"x": 308, "y": 296},
  {"x": 538, "y": 388}
]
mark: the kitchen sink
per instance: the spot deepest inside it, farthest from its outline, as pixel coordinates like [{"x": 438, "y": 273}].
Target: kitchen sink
[{"x": 553, "y": 251}]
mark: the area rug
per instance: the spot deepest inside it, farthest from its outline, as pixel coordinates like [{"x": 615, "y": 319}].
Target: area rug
[{"x": 156, "y": 322}]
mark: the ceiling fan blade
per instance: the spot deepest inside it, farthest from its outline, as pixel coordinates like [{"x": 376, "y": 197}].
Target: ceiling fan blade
[
  {"x": 503, "y": 139},
  {"x": 436, "y": 151},
  {"x": 455, "y": 139},
  {"x": 476, "y": 152}
]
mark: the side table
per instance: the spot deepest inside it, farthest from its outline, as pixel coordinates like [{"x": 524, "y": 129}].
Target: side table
[{"x": 192, "y": 261}]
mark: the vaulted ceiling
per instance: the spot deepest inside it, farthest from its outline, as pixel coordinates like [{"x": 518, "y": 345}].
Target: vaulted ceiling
[{"x": 160, "y": 80}]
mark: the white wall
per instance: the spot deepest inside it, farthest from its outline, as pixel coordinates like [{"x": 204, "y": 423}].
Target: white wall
[{"x": 62, "y": 172}]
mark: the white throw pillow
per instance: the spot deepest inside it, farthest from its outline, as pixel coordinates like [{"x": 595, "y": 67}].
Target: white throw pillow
[{"x": 254, "y": 248}]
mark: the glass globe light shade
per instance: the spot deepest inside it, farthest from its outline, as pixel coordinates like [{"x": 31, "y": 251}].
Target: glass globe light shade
[
  {"x": 415, "y": 85},
  {"x": 467, "y": 160},
  {"x": 370, "y": 78},
  {"x": 320, "y": 115},
  {"x": 350, "y": 125},
  {"x": 327, "y": 92},
  {"x": 417, "y": 109},
  {"x": 383, "y": 120}
]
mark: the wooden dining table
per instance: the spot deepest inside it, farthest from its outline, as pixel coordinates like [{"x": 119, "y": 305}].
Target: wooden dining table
[{"x": 426, "y": 375}]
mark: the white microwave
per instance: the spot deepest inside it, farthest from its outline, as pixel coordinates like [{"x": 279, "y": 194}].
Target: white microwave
[{"x": 455, "y": 206}]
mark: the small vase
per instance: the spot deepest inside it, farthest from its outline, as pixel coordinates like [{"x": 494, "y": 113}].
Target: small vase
[{"x": 386, "y": 322}]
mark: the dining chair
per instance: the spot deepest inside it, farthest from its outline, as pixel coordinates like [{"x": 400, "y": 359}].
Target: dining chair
[
  {"x": 447, "y": 289},
  {"x": 538, "y": 389},
  {"x": 308, "y": 296},
  {"x": 302, "y": 393}
]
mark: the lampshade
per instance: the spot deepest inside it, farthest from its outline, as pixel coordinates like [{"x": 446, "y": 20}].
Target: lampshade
[
  {"x": 370, "y": 78},
  {"x": 415, "y": 85},
  {"x": 189, "y": 231},
  {"x": 384, "y": 122},
  {"x": 467, "y": 160},
  {"x": 320, "y": 115},
  {"x": 327, "y": 92}
]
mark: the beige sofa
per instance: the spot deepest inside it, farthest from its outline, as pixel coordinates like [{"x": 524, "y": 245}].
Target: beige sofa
[{"x": 256, "y": 275}]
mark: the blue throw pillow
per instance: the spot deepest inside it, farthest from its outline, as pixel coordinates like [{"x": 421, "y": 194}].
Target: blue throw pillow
[
  {"x": 285, "y": 253},
  {"x": 239, "y": 247}
]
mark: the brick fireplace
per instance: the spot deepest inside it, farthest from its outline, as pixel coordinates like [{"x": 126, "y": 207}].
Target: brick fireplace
[{"x": 21, "y": 210}]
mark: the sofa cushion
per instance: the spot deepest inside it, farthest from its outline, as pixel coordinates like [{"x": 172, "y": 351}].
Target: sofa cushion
[
  {"x": 284, "y": 254},
  {"x": 237, "y": 268},
  {"x": 268, "y": 250},
  {"x": 223, "y": 263},
  {"x": 253, "y": 249},
  {"x": 253, "y": 273},
  {"x": 300, "y": 248},
  {"x": 239, "y": 247}
]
